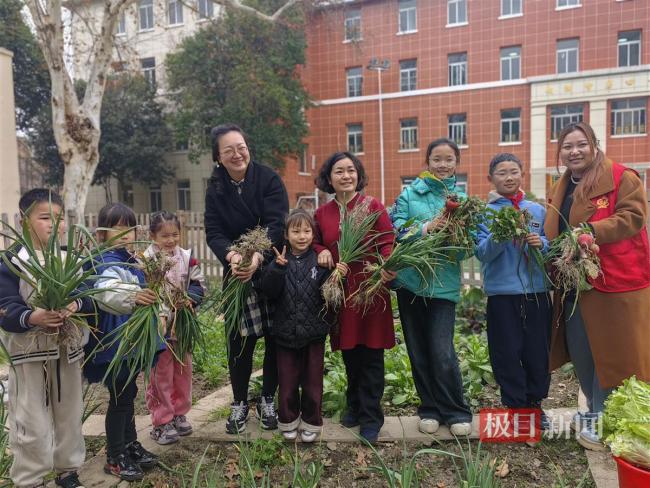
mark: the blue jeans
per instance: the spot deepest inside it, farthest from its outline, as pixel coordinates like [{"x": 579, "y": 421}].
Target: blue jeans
[
  {"x": 428, "y": 325},
  {"x": 580, "y": 352}
]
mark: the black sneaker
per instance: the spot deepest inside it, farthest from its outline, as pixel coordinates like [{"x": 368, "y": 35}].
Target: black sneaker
[
  {"x": 350, "y": 419},
  {"x": 140, "y": 455},
  {"x": 236, "y": 423},
  {"x": 68, "y": 480},
  {"x": 124, "y": 468},
  {"x": 266, "y": 412},
  {"x": 370, "y": 434}
]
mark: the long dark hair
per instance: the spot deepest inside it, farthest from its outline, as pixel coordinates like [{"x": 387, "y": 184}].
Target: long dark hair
[{"x": 323, "y": 180}]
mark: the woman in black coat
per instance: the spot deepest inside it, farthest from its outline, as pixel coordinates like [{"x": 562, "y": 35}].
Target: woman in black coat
[{"x": 241, "y": 195}]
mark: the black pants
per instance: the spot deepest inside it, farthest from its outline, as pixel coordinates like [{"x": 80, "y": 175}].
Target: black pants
[
  {"x": 519, "y": 329},
  {"x": 120, "y": 415},
  {"x": 364, "y": 368},
  {"x": 240, "y": 365}
]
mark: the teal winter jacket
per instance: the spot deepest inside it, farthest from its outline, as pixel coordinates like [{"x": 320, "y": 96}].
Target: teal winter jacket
[{"x": 418, "y": 203}]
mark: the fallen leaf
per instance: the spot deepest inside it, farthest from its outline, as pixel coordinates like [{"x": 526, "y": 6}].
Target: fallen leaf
[
  {"x": 441, "y": 484},
  {"x": 361, "y": 459},
  {"x": 259, "y": 474},
  {"x": 332, "y": 446},
  {"x": 502, "y": 470},
  {"x": 561, "y": 385},
  {"x": 231, "y": 469},
  {"x": 534, "y": 475},
  {"x": 327, "y": 463},
  {"x": 537, "y": 463}
]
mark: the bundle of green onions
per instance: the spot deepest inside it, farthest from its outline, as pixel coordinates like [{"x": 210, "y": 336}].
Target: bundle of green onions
[
  {"x": 232, "y": 300},
  {"x": 421, "y": 253},
  {"x": 461, "y": 219},
  {"x": 58, "y": 277},
  {"x": 355, "y": 241},
  {"x": 574, "y": 258},
  {"x": 139, "y": 338},
  {"x": 185, "y": 327}
]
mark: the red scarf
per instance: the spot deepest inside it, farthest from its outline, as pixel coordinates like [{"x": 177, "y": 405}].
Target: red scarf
[{"x": 516, "y": 199}]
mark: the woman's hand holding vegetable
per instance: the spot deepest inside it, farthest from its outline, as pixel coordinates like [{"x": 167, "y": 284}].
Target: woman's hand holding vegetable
[
  {"x": 342, "y": 268},
  {"x": 146, "y": 296},
  {"x": 245, "y": 273}
]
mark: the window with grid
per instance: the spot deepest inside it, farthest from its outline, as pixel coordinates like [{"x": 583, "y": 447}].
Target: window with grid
[
  {"x": 407, "y": 15},
  {"x": 183, "y": 195},
  {"x": 511, "y": 125},
  {"x": 149, "y": 70},
  {"x": 457, "y": 69},
  {"x": 155, "y": 198},
  {"x": 461, "y": 182},
  {"x": 206, "y": 9},
  {"x": 457, "y": 124},
  {"x": 175, "y": 12},
  {"x": 511, "y": 63},
  {"x": 563, "y": 115},
  {"x": 408, "y": 134},
  {"x": 456, "y": 12},
  {"x": 568, "y": 3},
  {"x": 355, "y": 138},
  {"x": 567, "y": 55},
  {"x": 407, "y": 180},
  {"x": 145, "y": 14},
  {"x": 303, "y": 166},
  {"x": 511, "y": 7},
  {"x": 629, "y": 116},
  {"x": 353, "y": 25},
  {"x": 121, "y": 25},
  {"x": 629, "y": 48},
  {"x": 408, "y": 74},
  {"x": 354, "y": 78}
]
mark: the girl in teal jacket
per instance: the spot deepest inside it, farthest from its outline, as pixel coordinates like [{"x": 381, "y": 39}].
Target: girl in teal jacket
[{"x": 428, "y": 313}]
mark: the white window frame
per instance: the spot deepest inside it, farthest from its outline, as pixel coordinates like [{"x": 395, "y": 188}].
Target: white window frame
[
  {"x": 355, "y": 131},
  {"x": 567, "y": 4},
  {"x": 175, "y": 8},
  {"x": 457, "y": 130},
  {"x": 145, "y": 13},
  {"x": 506, "y": 137},
  {"x": 406, "y": 181},
  {"x": 149, "y": 72},
  {"x": 561, "y": 120},
  {"x": 511, "y": 7},
  {"x": 409, "y": 14},
  {"x": 457, "y": 69},
  {"x": 354, "y": 81},
  {"x": 508, "y": 58},
  {"x": 461, "y": 182},
  {"x": 627, "y": 45},
  {"x": 408, "y": 134},
  {"x": 408, "y": 76},
  {"x": 121, "y": 25},
  {"x": 155, "y": 192},
  {"x": 184, "y": 195},
  {"x": 205, "y": 9},
  {"x": 303, "y": 163},
  {"x": 636, "y": 117},
  {"x": 459, "y": 9},
  {"x": 566, "y": 52},
  {"x": 352, "y": 25}
]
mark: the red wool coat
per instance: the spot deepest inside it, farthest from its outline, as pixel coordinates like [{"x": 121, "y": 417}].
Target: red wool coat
[{"x": 373, "y": 329}]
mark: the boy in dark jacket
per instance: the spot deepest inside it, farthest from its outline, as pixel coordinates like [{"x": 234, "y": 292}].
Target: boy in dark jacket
[{"x": 300, "y": 327}]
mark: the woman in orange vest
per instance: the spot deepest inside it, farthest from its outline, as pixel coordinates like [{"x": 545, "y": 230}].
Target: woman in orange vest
[{"x": 607, "y": 337}]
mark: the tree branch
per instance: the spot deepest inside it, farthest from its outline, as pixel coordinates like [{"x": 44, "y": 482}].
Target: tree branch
[{"x": 271, "y": 18}]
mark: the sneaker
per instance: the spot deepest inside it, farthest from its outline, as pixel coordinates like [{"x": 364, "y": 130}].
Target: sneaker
[
  {"x": 266, "y": 412},
  {"x": 140, "y": 455},
  {"x": 350, "y": 419},
  {"x": 370, "y": 434},
  {"x": 183, "y": 427},
  {"x": 124, "y": 468},
  {"x": 589, "y": 436},
  {"x": 164, "y": 434},
  {"x": 461, "y": 429},
  {"x": 308, "y": 436},
  {"x": 68, "y": 480},
  {"x": 577, "y": 421},
  {"x": 290, "y": 435},
  {"x": 428, "y": 426},
  {"x": 236, "y": 423}
]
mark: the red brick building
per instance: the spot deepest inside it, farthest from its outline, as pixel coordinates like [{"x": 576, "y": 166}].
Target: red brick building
[{"x": 497, "y": 75}]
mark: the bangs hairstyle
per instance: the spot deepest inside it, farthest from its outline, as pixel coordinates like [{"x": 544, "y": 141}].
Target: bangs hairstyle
[
  {"x": 500, "y": 158},
  {"x": 297, "y": 217},
  {"x": 221, "y": 130},
  {"x": 161, "y": 218},
  {"x": 596, "y": 169},
  {"x": 115, "y": 214},
  {"x": 443, "y": 141},
  {"x": 323, "y": 180},
  {"x": 36, "y": 196}
]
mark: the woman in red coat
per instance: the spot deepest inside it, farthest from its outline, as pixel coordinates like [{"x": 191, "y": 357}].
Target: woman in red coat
[{"x": 362, "y": 336}]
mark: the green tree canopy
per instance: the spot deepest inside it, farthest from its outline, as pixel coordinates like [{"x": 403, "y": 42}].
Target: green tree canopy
[{"x": 242, "y": 69}]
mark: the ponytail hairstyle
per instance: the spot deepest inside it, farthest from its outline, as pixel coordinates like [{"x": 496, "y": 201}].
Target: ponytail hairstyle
[
  {"x": 161, "y": 218},
  {"x": 596, "y": 169}
]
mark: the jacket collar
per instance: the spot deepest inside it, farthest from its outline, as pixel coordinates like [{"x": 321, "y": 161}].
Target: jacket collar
[{"x": 427, "y": 182}]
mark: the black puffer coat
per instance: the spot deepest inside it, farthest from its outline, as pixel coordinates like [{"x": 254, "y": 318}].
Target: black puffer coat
[{"x": 295, "y": 289}]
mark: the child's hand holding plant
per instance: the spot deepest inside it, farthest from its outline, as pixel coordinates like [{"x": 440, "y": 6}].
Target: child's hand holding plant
[
  {"x": 146, "y": 296},
  {"x": 45, "y": 318},
  {"x": 534, "y": 240},
  {"x": 343, "y": 268}
]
